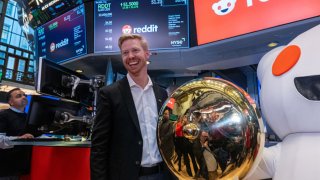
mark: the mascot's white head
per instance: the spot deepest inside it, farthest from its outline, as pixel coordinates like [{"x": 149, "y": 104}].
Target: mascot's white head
[{"x": 290, "y": 85}]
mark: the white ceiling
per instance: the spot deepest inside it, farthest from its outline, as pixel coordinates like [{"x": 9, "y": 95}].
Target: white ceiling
[{"x": 229, "y": 53}]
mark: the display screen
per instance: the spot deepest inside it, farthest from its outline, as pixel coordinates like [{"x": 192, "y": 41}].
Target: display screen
[
  {"x": 164, "y": 23},
  {"x": 222, "y": 19},
  {"x": 56, "y": 80},
  {"x": 41, "y": 11},
  {"x": 64, "y": 37}
]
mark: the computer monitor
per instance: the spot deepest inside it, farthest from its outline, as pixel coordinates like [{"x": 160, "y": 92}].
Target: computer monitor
[
  {"x": 44, "y": 114},
  {"x": 56, "y": 80}
]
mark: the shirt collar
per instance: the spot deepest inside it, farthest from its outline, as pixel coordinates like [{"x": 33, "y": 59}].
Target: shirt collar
[
  {"x": 16, "y": 110},
  {"x": 132, "y": 83}
]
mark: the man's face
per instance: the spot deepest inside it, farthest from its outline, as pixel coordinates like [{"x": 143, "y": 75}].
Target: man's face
[
  {"x": 134, "y": 57},
  {"x": 166, "y": 115},
  {"x": 204, "y": 137},
  {"x": 18, "y": 99}
]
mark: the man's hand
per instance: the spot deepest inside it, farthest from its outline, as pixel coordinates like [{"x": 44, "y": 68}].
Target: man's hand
[
  {"x": 26, "y": 136},
  {"x": 205, "y": 144}
]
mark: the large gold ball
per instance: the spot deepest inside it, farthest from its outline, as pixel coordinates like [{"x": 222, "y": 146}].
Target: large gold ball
[{"x": 210, "y": 128}]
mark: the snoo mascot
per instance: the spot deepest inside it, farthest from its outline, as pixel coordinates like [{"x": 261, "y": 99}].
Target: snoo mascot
[{"x": 290, "y": 103}]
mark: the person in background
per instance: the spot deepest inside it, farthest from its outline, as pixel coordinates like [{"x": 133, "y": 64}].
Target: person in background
[
  {"x": 166, "y": 136},
  {"x": 124, "y": 143},
  {"x": 14, "y": 161},
  {"x": 210, "y": 161},
  {"x": 181, "y": 145}
]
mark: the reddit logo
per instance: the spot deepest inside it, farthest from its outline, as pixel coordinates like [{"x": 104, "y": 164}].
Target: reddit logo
[
  {"x": 52, "y": 47},
  {"x": 223, "y": 7},
  {"x": 126, "y": 29}
]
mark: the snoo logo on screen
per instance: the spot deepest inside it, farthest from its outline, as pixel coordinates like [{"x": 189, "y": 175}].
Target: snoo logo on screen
[
  {"x": 62, "y": 43},
  {"x": 52, "y": 47},
  {"x": 127, "y": 29},
  {"x": 223, "y": 7}
]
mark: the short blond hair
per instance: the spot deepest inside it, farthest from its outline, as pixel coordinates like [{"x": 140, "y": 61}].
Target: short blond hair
[{"x": 125, "y": 37}]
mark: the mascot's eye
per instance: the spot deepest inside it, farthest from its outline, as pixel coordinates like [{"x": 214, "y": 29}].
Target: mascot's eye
[
  {"x": 229, "y": 4},
  {"x": 219, "y": 7},
  {"x": 287, "y": 58}
]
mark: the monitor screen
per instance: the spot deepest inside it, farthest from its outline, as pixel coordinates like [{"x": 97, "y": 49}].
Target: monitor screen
[
  {"x": 165, "y": 24},
  {"x": 54, "y": 79},
  {"x": 218, "y": 20},
  {"x": 43, "y": 114},
  {"x": 42, "y": 11},
  {"x": 64, "y": 37}
]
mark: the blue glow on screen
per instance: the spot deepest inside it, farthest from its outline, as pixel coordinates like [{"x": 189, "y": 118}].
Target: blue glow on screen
[
  {"x": 29, "y": 97},
  {"x": 26, "y": 109},
  {"x": 51, "y": 97}
]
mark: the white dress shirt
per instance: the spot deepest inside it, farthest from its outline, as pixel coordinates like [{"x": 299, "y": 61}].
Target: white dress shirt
[
  {"x": 146, "y": 107},
  {"x": 16, "y": 110},
  {"x": 5, "y": 141}
]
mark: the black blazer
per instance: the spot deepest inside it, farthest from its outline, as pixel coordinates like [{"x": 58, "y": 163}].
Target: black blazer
[{"x": 116, "y": 149}]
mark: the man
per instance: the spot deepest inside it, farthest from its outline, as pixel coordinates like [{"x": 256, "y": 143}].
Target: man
[
  {"x": 166, "y": 136},
  {"x": 14, "y": 161},
  {"x": 208, "y": 162},
  {"x": 124, "y": 144}
]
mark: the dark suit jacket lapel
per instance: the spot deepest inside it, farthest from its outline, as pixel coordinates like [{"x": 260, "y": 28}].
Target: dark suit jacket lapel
[
  {"x": 158, "y": 96},
  {"x": 128, "y": 100}
]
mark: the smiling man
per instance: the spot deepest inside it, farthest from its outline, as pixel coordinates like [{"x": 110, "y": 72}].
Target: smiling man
[{"x": 124, "y": 144}]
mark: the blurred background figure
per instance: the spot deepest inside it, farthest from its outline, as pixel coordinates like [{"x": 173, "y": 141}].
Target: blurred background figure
[
  {"x": 166, "y": 132},
  {"x": 209, "y": 159}
]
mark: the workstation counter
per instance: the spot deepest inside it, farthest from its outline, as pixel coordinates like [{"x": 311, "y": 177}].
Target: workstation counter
[
  {"x": 63, "y": 160},
  {"x": 53, "y": 143}
]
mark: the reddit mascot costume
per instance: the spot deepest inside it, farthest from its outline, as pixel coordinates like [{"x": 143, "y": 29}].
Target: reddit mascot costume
[{"x": 290, "y": 103}]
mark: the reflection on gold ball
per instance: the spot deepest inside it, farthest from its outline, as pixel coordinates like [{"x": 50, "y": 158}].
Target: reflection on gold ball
[{"x": 215, "y": 133}]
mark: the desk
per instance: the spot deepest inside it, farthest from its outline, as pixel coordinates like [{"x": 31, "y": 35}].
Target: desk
[
  {"x": 54, "y": 143},
  {"x": 59, "y": 160}
]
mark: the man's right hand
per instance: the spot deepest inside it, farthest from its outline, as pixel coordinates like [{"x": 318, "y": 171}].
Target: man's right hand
[{"x": 26, "y": 136}]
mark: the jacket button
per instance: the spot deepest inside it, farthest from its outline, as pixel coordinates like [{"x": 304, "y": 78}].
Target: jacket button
[
  {"x": 139, "y": 142},
  {"x": 137, "y": 162}
]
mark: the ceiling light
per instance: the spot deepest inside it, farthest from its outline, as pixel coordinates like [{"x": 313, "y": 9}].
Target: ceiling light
[
  {"x": 273, "y": 44},
  {"x": 148, "y": 62},
  {"x": 79, "y": 70}
]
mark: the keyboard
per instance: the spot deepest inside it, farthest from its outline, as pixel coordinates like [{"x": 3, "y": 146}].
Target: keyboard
[{"x": 39, "y": 139}]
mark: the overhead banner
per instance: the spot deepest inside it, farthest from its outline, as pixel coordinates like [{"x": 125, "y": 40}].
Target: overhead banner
[{"x": 221, "y": 19}]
